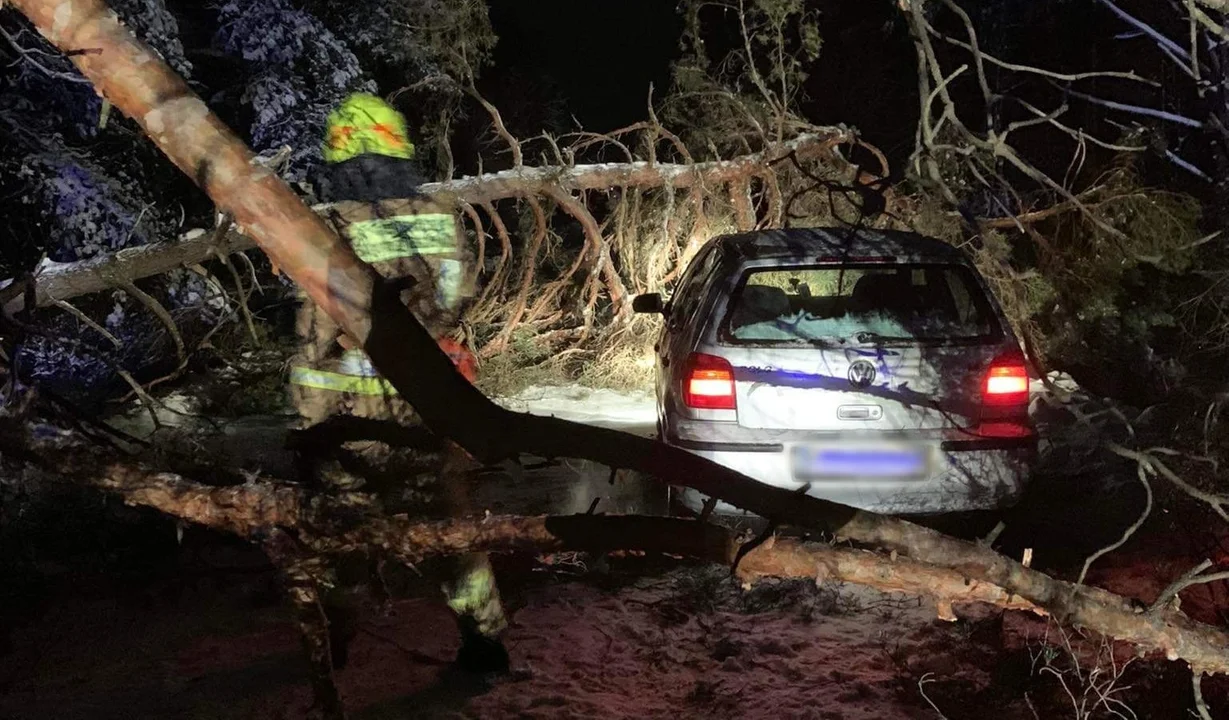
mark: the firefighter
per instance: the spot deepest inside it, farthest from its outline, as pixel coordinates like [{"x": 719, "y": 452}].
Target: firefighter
[{"x": 370, "y": 180}]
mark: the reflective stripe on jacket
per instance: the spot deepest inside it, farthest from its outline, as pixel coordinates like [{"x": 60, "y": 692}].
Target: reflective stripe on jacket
[{"x": 403, "y": 236}]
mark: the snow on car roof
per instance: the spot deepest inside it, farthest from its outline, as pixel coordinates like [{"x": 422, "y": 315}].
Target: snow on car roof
[{"x": 813, "y": 243}]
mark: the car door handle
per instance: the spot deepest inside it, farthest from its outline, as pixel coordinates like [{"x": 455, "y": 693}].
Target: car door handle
[{"x": 859, "y": 412}]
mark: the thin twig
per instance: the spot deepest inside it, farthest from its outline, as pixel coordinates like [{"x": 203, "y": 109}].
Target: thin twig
[
  {"x": 1218, "y": 503},
  {"x": 157, "y": 309},
  {"x": 1187, "y": 166},
  {"x": 1201, "y": 706},
  {"x": 1139, "y": 110},
  {"x": 56, "y": 75},
  {"x": 251, "y": 268},
  {"x": 1065, "y": 77},
  {"x": 150, "y": 405},
  {"x": 1142, "y": 471},
  {"x": 1079, "y": 135},
  {"x": 921, "y": 688},
  {"x": 89, "y": 321},
  {"x": 244, "y": 295},
  {"x": 514, "y": 145},
  {"x": 1191, "y": 578},
  {"x": 1172, "y": 49}
]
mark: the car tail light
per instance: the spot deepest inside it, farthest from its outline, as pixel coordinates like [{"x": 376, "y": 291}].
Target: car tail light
[
  {"x": 1004, "y": 392},
  {"x": 1006, "y": 382},
  {"x": 709, "y": 383}
]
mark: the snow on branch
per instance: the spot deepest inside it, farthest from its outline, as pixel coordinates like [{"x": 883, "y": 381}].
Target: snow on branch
[{"x": 64, "y": 281}]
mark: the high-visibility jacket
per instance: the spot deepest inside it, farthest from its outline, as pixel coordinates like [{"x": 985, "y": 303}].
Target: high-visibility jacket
[{"x": 414, "y": 238}]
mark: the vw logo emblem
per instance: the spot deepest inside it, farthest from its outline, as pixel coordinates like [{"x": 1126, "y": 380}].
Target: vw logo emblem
[{"x": 861, "y": 373}]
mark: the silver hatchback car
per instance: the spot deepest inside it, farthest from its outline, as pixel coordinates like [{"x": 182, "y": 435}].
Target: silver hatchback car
[{"x": 873, "y": 368}]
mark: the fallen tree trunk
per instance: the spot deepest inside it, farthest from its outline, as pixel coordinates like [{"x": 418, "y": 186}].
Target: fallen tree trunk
[
  {"x": 255, "y": 508},
  {"x": 537, "y": 180},
  {"x": 138, "y": 83},
  {"x": 64, "y": 281},
  {"x": 777, "y": 557}
]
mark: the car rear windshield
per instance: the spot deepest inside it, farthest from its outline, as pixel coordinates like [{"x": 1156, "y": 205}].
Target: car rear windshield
[{"x": 859, "y": 304}]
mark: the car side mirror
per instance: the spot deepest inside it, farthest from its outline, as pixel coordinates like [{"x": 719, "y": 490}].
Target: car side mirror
[{"x": 649, "y": 303}]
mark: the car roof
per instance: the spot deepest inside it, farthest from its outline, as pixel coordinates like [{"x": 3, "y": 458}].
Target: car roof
[{"x": 820, "y": 242}]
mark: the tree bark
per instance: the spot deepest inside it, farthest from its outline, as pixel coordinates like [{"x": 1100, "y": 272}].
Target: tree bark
[{"x": 302, "y": 576}]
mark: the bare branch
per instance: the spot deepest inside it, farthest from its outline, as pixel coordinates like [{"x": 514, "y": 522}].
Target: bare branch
[
  {"x": 89, "y": 321},
  {"x": 244, "y": 295},
  {"x": 1191, "y": 10},
  {"x": 1201, "y": 705},
  {"x": 1138, "y": 110},
  {"x": 661, "y": 130},
  {"x": 149, "y": 301},
  {"x": 497, "y": 119},
  {"x": 988, "y": 97},
  {"x": 1207, "y": 22},
  {"x": 64, "y": 281},
  {"x": 1006, "y": 152},
  {"x": 1172, "y": 50},
  {"x": 529, "y": 265},
  {"x": 1126, "y": 535},
  {"x": 1078, "y": 135},
  {"x": 1189, "y": 579},
  {"x": 1187, "y": 166},
  {"x": 981, "y": 55},
  {"x": 921, "y": 688},
  {"x": 1218, "y": 503},
  {"x": 256, "y": 506},
  {"x": 26, "y": 55},
  {"x": 505, "y": 250},
  {"x": 1039, "y": 215}
]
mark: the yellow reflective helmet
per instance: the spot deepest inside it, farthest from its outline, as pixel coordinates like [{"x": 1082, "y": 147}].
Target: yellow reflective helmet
[{"x": 365, "y": 124}]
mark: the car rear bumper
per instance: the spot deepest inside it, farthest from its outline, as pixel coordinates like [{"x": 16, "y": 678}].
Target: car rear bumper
[{"x": 966, "y": 475}]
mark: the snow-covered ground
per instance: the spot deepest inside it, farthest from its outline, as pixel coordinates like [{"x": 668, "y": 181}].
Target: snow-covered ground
[
  {"x": 682, "y": 644},
  {"x": 627, "y": 411}
]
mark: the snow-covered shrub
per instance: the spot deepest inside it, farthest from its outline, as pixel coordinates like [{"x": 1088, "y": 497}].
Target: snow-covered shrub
[
  {"x": 153, "y": 23},
  {"x": 78, "y": 190},
  {"x": 301, "y": 70},
  {"x": 88, "y": 212}
]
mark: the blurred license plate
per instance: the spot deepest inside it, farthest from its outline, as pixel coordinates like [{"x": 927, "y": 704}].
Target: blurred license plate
[{"x": 817, "y": 462}]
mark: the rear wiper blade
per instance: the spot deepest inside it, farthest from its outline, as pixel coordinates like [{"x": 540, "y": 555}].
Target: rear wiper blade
[{"x": 867, "y": 336}]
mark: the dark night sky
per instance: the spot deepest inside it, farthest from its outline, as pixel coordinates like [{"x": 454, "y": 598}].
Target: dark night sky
[
  {"x": 601, "y": 55},
  {"x": 598, "y": 58}
]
